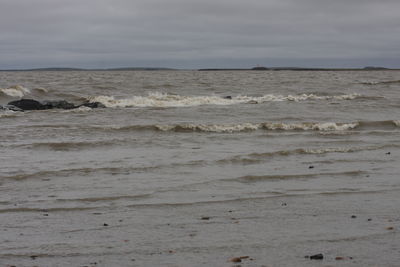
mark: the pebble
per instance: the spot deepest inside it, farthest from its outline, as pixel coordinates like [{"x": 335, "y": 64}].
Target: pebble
[
  {"x": 105, "y": 224},
  {"x": 238, "y": 259},
  {"x": 353, "y": 216},
  {"x": 205, "y": 218},
  {"x": 317, "y": 257},
  {"x": 311, "y": 167}
]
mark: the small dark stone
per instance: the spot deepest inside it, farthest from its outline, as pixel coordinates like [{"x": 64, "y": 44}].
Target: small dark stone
[
  {"x": 311, "y": 167},
  {"x": 388, "y": 153},
  {"x": 353, "y": 216},
  {"x": 236, "y": 259},
  {"x": 205, "y": 218},
  {"x": 228, "y": 97},
  {"x": 369, "y": 219},
  {"x": 284, "y": 204},
  {"x": 105, "y": 224},
  {"x": 317, "y": 257},
  {"x": 33, "y": 257}
]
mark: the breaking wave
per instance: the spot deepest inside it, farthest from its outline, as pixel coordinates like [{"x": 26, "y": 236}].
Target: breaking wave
[
  {"x": 231, "y": 128},
  {"x": 170, "y": 100},
  {"x": 247, "y": 127},
  {"x": 15, "y": 91}
]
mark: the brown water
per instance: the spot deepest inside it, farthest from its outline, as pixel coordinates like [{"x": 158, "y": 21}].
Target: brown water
[{"x": 173, "y": 173}]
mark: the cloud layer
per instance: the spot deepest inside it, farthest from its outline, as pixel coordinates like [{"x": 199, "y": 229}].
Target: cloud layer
[{"x": 192, "y": 33}]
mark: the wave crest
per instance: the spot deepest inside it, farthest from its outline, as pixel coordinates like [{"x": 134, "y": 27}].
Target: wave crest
[
  {"x": 15, "y": 91},
  {"x": 170, "y": 100},
  {"x": 244, "y": 127}
]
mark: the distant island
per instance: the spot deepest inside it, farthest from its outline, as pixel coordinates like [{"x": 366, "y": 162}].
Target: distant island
[{"x": 261, "y": 68}]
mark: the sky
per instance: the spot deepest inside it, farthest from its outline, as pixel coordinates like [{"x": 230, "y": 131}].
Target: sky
[{"x": 199, "y": 33}]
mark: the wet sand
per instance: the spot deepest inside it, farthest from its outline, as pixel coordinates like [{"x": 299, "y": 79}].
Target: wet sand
[{"x": 349, "y": 228}]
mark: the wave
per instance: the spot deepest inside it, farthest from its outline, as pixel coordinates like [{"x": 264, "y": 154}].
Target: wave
[
  {"x": 254, "y": 158},
  {"x": 269, "y": 126},
  {"x": 259, "y": 178},
  {"x": 67, "y": 146},
  {"x": 382, "y": 82},
  {"x": 15, "y": 91},
  {"x": 230, "y": 128},
  {"x": 322, "y": 127},
  {"x": 8, "y": 113},
  {"x": 170, "y": 100}
]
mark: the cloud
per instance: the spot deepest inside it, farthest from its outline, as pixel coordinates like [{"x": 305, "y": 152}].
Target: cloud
[{"x": 190, "y": 33}]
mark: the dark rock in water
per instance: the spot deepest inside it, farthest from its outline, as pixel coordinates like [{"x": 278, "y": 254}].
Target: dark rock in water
[
  {"x": 93, "y": 105},
  {"x": 62, "y": 104},
  {"x": 28, "y": 104},
  {"x": 317, "y": 257},
  {"x": 228, "y": 97}
]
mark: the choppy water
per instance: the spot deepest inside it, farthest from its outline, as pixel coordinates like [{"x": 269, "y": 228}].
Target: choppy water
[{"x": 173, "y": 146}]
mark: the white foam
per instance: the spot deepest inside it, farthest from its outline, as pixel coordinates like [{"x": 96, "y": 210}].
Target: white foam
[
  {"x": 397, "y": 123},
  {"x": 326, "y": 126},
  {"x": 169, "y": 100},
  {"x": 216, "y": 128},
  {"x": 15, "y": 91},
  {"x": 241, "y": 127}
]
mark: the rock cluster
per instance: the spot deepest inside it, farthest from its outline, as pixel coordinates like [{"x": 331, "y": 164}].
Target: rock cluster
[{"x": 30, "y": 104}]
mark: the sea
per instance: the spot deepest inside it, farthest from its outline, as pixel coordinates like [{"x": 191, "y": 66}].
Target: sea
[{"x": 201, "y": 168}]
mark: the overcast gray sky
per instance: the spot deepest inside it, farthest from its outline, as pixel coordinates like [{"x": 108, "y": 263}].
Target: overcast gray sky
[{"x": 199, "y": 33}]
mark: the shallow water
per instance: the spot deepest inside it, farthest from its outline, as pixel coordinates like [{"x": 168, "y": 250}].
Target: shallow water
[{"x": 279, "y": 166}]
